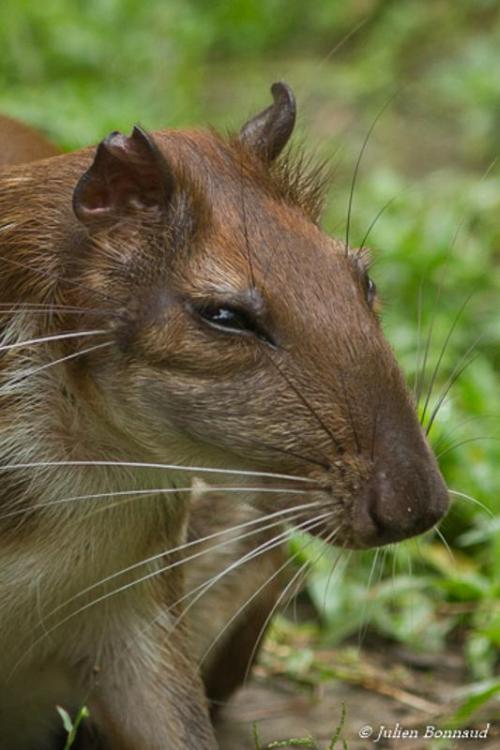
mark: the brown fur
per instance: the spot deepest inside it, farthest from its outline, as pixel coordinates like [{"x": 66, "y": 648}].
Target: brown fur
[
  {"x": 138, "y": 241},
  {"x": 20, "y": 143}
]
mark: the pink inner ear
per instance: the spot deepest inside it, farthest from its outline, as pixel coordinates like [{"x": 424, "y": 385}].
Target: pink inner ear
[
  {"x": 97, "y": 201},
  {"x": 127, "y": 173}
]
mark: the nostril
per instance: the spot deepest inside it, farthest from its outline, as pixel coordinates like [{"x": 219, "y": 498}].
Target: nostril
[
  {"x": 365, "y": 521},
  {"x": 390, "y": 510},
  {"x": 372, "y": 501}
]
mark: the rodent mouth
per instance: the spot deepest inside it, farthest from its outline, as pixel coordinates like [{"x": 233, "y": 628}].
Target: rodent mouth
[{"x": 383, "y": 510}]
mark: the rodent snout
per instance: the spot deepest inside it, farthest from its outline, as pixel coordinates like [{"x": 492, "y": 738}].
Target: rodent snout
[{"x": 389, "y": 510}]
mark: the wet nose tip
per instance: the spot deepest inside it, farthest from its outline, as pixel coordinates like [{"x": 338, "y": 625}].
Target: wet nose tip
[{"x": 390, "y": 511}]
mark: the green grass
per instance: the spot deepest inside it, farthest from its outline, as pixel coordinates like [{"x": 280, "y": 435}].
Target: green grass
[
  {"x": 306, "y": 742},
  {"x": 70, "y": 725},
  {"x": 82, "y": 69}
]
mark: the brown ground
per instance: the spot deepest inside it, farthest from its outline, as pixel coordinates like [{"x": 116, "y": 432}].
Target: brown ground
[{"x": 383, "y": 686}]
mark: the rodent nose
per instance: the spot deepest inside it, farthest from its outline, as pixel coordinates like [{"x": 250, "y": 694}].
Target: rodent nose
[{"x": 389, "y": 511}]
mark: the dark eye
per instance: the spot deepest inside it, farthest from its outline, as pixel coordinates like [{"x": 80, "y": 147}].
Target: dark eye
[
  {"x": 232, "y": 320},
  {"x": 370, "y": 291},
  {"x": 227, "y": 317}
]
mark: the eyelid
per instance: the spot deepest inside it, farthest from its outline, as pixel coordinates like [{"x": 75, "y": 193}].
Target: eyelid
[
  {"x": 257, "y": 330},
  {"x": 370, "y": 290},
  {"x": 221, "y": 294},
  {"x": 362, "y": 259}
]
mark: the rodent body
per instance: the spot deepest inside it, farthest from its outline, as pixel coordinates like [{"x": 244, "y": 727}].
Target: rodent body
[
  {"x": 197, "y": 317},
  {"x": 21, "y": 144}
]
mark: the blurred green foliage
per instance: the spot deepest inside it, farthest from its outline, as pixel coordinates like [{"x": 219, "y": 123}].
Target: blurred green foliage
[{"x": 81, "y": 69}]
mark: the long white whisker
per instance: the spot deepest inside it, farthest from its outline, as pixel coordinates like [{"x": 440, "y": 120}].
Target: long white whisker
[
  {"x": 330, "y": 578},
  {"x": 180, "y": 548},
  {"x": 58, "y": 337},
  {"x": 261, "y": 549},
  {"x": 248, "y": 601},
  {"x": 472, "y": 500},
  {"x": 202, "y": 589},
  {"x": 39, "y": 305},
  {"x": 40, "y": 310},
  {"x": 300, "y": 579},
  {"x": 364, "y": 612},
  {"x": 142, "y": 579},
  {"x": 10, "y": 308},
  {"x": 140, "y": 465},
  {"x": 445, "y": 544},
  {"x": 303, "y": 568},
  {"x": 152, "y": 492},
  {"x": 330, "y": 538},
  {"x": 23, "y": 374},
  {"x": 206, "y": 585}
]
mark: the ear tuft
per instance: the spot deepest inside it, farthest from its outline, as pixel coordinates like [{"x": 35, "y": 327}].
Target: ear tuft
[
  {"x": 129, "y": 173},
  {"x": 268, "y": 132}
]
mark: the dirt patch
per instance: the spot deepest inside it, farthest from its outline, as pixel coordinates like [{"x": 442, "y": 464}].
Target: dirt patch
[{"x": 395, "y": 693}]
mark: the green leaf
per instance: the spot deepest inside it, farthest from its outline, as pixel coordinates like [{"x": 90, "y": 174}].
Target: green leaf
[
  {"x": 478, "y": 695},
  {"x": 66, "y": 719}
]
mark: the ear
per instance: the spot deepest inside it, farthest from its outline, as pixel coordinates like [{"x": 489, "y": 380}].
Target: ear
[
  {"x": 128, "y": 173},
  {"x": 268, "y": 132}
]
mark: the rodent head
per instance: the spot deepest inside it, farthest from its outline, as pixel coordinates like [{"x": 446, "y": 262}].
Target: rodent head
[{"x": 241, "y": 333}]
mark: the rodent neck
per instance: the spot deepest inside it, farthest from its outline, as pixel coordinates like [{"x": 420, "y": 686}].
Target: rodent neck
[{"x": 48, "y": 422}]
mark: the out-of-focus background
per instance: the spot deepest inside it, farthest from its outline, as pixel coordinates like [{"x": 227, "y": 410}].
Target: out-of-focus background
[{"x": 79, "y": 70}]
